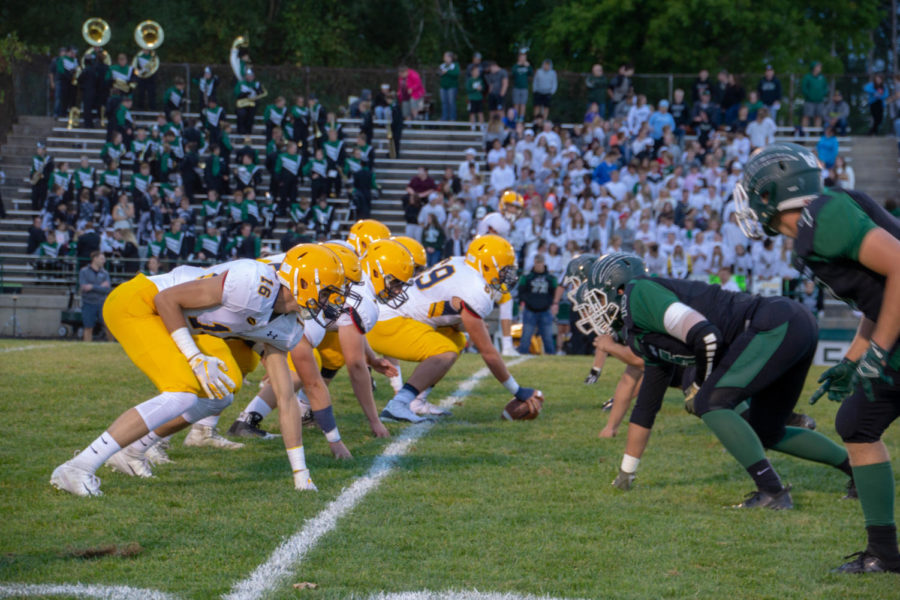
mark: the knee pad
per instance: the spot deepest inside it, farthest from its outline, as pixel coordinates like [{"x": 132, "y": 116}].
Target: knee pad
[
  {"x": 163, "y": 408},
  {"x": 506, "y": 310},
  {"x": 328, "y": 373},
  {"x": 205, "y": 407},
  {"x": 718, "y": 398},
  {"x": 859, "y": 421}
]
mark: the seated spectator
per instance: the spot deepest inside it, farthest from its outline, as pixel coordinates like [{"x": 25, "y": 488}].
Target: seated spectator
[
  {"x": 761, "y": 131},
  {"x": 503, "y": 176},
  {"x": 837, "y": 111},
  {"x": 844, "y": 175},
  {"x": 827, "y": 148}
]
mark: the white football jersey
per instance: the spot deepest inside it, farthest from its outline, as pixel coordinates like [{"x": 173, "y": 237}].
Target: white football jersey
[
  {"x": 363, "y": 316},
  {"x": 431, "y": 293},
  {"x": 494, "y": 221},
  {"x": 249, "y": 289}
]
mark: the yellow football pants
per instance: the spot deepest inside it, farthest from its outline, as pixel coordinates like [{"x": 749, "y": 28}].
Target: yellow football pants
[
  {"x": 407, "y": 339},
  {"x": 130, "y": 314}
]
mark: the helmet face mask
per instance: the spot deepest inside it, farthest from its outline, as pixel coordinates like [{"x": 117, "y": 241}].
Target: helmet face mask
[
  {"x": 747, "y": 218},
  {"x": 576, "y": 273},
  {"x": 394, "y": 293},
  {"x": 329, "y": 306},
  {"x": 315, "y": 277},
  {"x": 389, "y": 266},
  {"x": 599, "y": 299},
  {"x": 495, "y": 260}
]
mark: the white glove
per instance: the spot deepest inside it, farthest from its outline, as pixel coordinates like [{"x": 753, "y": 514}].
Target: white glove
[
  {"x": 303, "y": 482},
  {"x": 210, "y": 372}
]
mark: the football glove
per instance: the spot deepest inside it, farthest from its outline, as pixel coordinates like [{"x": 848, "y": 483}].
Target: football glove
[
  {"x": 623, "y": 480},
  {"x": 871, "y": 368},
  {"x": 837, "y": 382},
  {"x": 524, "y": 394},
  {"x": 210, "y": 372},
  {"x": 593, "y": 376},
  {"x": 689, "y": 396}
]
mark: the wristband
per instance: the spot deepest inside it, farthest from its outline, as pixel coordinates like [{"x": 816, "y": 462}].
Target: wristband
[
  {"x": 630, "y": 463},
  {"x": 185, "y": 342},
  {"x": 512, "y": 385}
]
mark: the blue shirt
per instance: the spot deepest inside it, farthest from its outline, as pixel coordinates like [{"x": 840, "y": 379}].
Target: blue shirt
[
  {"x": 827, "y": 149},
  {"x": 658, "y": 121},
  {"x": 601, "y": 173}
]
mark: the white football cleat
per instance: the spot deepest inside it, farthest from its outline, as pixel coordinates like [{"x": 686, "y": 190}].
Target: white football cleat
[
  {"x": 69, "y": 478},
  {"x": 303, "y": 482},
  {"x": 509, "y": 351},
  {"x": 397, "y": 411},
  {"x": 421, "y": 406},
  {"x": 156, "y": 455},
  {"x": 206, "y": 435},
  {"x": 131, "y": 463}
]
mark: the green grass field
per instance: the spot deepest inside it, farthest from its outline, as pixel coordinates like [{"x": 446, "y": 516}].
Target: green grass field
[{"x": 520, "y": 508}]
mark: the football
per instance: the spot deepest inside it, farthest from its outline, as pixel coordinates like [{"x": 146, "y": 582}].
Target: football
[{"x": 518, "y": 411}]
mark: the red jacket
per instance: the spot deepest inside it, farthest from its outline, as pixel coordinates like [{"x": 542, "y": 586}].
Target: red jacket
[{"x": 411, "y": 87}]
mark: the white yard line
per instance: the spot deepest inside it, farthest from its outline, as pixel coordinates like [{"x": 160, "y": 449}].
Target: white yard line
[
  {"x": 285, "y": 559},
  {"x": 31, "y": 347},
  {"x": 81, "y": 590},
  {"x": 455, "y": 595}
]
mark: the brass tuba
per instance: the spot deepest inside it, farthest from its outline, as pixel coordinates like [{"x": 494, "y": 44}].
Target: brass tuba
[
  {"x": 96, "y": 33},
  {"x": 237, "y": 64},
  {"x": 149, "y": 35}
]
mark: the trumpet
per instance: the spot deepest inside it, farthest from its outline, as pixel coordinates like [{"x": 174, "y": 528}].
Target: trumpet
[{"x": 149, "y": 35}]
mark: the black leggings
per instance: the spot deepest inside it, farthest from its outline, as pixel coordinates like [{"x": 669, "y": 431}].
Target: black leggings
[
  {"x": 861, "y": 421},
  {"x": 877, "y": 109}
]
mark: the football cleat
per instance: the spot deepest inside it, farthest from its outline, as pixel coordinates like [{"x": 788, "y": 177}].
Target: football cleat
[
  {"x": 607, "y": 406},
  {"x": 865, "y": 562},
  {"x": 206, "y": 435},
  {"x": 510, "y": 352},
  {"x": 303, "y": 482},
  {"x": 397, "y": 411},
  {"x": 800, "y": 420},
  {"x": 156, "y": 454},
  {"x": 424, "y": 407},
  {"x": 760, "y": 499},
  {"x": 69, "y": 478},
  {"x": 129, "y": 462},
  {"x": 250, "y": 428},
  {"x": 851, "y": 494}
]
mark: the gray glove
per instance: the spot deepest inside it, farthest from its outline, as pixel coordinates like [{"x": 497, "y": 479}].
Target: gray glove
[{"x": 623, "y": 480}]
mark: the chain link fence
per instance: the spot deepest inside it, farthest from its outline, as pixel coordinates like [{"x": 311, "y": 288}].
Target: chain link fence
[{"x": 335, "y": 86}]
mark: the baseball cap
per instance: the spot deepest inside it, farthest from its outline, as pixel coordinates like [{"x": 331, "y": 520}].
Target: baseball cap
[
  {"x": 470, "y": 151},
  {"x": 664, "y": 103},
  {"x": 769, "y": 68},
  {"x": 529, "y": 132}
]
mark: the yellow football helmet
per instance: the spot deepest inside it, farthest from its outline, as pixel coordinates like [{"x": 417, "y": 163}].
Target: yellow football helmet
[
  {"x": 511, "y": 204},
  {"x": 495, "y": 259},
  {"x": 348, "y": 257},
  {"x": 366, "y": 231},
  {"x": 315, "y": 277},
  {"x": 415, "y": 248},
  {"x": 389, "y": 267}
]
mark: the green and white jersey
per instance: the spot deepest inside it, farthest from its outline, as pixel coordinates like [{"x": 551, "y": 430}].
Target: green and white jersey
[
  {"x": 141, "y": 183},
  {"x": 212, "y": 117},
  {"x": 236, "y": 212},
  {"x": 112, "y": 151},
  {"x": 84, "y": 177},
  {"x": 274, "y": 115},
  {"x": 300, "y": 113},
  {"x": 68, "y": 64},
  {"x": 209, "y": 244},
  {"x": 173, "y": 241},
  {"x": 173, "y": 97},
  {"x": 212, "y": 208},
  {"x": 39, "y": 163},
  {"x": 141, "y": 150},
  {"x": 250, "y": 209},
  {"x": 63, "y": 178},
  {"x": 352, "y": 165},
  {"x": 449, "y": 75},
  {"x": 298, "y": 214},
  {"x": 247, "y": 89},
  {"x": 111, "y": 178},
  {"x": 156, "y": 248},
  {"x": 521, "y": 75},
  {"x": 317, "y": 167},
  {"x": 334, "y": 152},
  {"x": 167, "y": 190},
  {"x": 142, "y": 59},
  {"x": 119, "y": 73},
  {"x": 248, "y": 174},
  {"x": 288, "y": 162},
  {"x": 49, "y": 250},
  {"x": 123, "y": 117},
  {"x": 366, "y": 152},
  {"x": 216, "y": 166}
]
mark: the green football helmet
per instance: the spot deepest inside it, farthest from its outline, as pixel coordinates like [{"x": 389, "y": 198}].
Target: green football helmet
[
  {"x": 576, "y": 272},
  {"x": 779, "y": 177},
  {"x": 600, "y": 303}
]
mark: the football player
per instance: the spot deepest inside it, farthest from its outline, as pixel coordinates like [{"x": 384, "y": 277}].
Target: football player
[
  {"x": 741, "y": 346},
  {"x": 850, "y": 244},
  {"x": 173, "y": 327},
  {"x": 456, "y": 293},
  {"x": 364, "y": 232},
  {"x": 501, "y": 223},
  {"x": 379, "y": 279}
]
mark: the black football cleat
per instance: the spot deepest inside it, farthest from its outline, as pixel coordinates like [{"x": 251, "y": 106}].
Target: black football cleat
[
  {"x": 800, "y": 420},
  {"x": 607, "y": 406},
  {"x": 866, "y": 562},
  {"x": 250, "y": 428},
  {"x": 851, "y": 491},
  {"x": 760, "y": 499}
]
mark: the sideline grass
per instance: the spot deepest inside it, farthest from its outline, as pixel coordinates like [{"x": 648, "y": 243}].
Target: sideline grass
[{"x": 477, "y": 504}]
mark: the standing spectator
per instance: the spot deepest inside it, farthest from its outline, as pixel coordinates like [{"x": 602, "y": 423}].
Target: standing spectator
[
  {"x": 815, "y": 90},
  {"x": 174, "y": 98},
  {"x": 503, "y": 176},
  {"x": 638, "y": 114},
  {"x": 761, "y": 131},
  {"x": 56, "y": 76},
  {"x": 836, "y": 113},
  {"x": 418, "y": 188},
  {"x": 732, "y": 98},
  {"x": 537, "y": 291},
  {"x": 94, "y": 285},
  {"x": 769, "y": 88},
  {"x": 380, "y": 104},
  {"x": 449, "y": 71},
  {"x": 410, "y": 92},
  {"x": 36, "y": 235},
  {"x": 476, "y": 63},
  {"x": 701, "y": 84},
  {"x": 497, "y": 82},
  {"x": 521, "y": 72},
  {"x": 680, "y": 112},
  {"x": 661, "y": 119},
  {"x": 545, "y": 85},
  {"x": 433, "y": 239},
  {"x": 618, "y": 89},
  {"x": 475, "y": 95},
  {"x": 827, "y": 148},
  {"x": 246, "y": 92},
  {"x": 41, "y": 169},
  {"x": 595, "y": 82},
  {"x": 876, "y": 94},
  {"x": 208, "y": 86},
  {"x": 145, "y": 91}
]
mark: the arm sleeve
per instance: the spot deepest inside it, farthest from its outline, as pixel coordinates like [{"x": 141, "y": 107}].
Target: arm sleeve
[
  {"x": 841, "y": 226},
  {"x": 648, "y": 303},
  {"x": 650, "y": 397}
]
